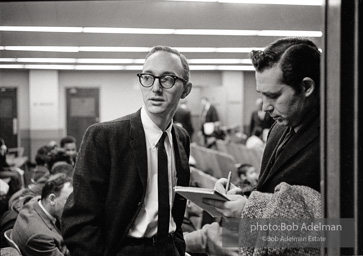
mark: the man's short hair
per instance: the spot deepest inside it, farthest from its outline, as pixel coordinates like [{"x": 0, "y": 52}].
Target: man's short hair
[
  {"x": 243, "y": 168},
  {"x": 66, "y": 140},
  {"x": 298, "y": 58},
  {"x": 55, "y": 184},
  {"x": 176, "y": 52}
]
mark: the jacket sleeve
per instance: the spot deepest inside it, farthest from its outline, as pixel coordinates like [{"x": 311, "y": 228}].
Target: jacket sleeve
[
  {"x": 81, "y": 220},
  {"x": 43, "y": 245}
]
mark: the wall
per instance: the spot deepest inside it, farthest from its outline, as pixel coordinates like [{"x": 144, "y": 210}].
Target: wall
[
  {"x": 20, "y": 79},
  {"x": 232, "y": 92},
  {"x": 250, "y": 97}
]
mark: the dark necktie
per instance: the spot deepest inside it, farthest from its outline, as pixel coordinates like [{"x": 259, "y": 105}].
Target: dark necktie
[
  {"x": 287, "y": 137},
  {"x": 163, "y": 190}
]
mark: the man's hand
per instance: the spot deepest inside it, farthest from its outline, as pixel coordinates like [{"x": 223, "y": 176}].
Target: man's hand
[{"x": 232, "y": 208}]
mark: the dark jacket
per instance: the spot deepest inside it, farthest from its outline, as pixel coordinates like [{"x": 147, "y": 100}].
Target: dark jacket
[
  {"x": 109, "y": 185},
  {"x": 297, "y": 164}
]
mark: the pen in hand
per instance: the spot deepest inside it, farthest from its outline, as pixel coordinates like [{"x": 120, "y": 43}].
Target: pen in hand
[{"x": 228, "y": 181}]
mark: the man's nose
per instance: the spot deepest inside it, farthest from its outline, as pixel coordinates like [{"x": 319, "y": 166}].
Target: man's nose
[
  {"x": 156, "y": 86},
  {"x": 267, "y": 106}
]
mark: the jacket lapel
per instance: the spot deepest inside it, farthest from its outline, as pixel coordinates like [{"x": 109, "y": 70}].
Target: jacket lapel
[
  {"x": 181, "y": 160},
  {"x": 138, "y": 145},
  {"x": 297, "y": 143}
]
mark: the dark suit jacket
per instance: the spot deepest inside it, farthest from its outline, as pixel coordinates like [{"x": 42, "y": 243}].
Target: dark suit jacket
[
  {"x": 297, "y": 164},
  {"x": 36, "y": 234},
  {"x": 211, "y": 115},
  {"x": 110, "y": 182}
]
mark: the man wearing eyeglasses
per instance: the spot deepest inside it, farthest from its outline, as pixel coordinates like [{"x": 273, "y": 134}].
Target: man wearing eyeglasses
[{"x": 123, "y": 201}]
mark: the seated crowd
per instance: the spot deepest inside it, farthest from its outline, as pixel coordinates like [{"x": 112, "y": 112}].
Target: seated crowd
[{"x": 33, "y": 211}]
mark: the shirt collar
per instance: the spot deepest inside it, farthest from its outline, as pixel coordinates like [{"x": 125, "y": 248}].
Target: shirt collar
[
  {"x": 152, "y": 132},
  {"x": 46, "y": 212}
]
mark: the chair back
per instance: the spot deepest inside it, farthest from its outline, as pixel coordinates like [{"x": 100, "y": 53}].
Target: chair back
[{"x": 10, "y": 241}]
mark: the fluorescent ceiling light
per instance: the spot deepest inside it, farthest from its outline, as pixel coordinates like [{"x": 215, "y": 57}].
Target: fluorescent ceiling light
[
  {"x": 98, "y": 67},
  {"x": 43, "y": 48},
  {"x": 119, "y": 61},
  {"x": 47, "y": 60},
  {"x": 41, "y": 29},
  {"x": 127, "y": 49},
  {"x": 106, "y": 61},
  {"x": 113, "y": 49},
  {"x": 120, "y": 67},
  {"x": 58, "y": 67},
  {"x": 217, "y": 32},
  {"x": 11, "y": 66},
  {"x": 278, "y": 2},
  {"x": 219, "y": 61},
  {"x": 128, "y": 30},
  {"x": 165, "y": 31},
  {"x": 290, "y": 33},
  {"x": 7, "y": 59}
]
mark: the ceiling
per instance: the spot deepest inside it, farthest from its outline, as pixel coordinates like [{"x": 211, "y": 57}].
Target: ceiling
[{"x": 208, "y": 52}]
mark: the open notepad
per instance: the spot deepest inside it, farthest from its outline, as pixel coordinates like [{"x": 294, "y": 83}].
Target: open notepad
[{"x": 196, "y": 195}]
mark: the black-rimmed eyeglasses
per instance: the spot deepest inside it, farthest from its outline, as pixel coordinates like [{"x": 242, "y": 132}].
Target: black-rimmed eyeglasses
[{"x": 166, "y": 81}]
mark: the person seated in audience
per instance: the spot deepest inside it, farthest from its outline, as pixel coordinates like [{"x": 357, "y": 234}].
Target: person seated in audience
[
  {"x": 68, "y": 145},
  {"x": 255, "y": 140},
  {"x": 57, "y": 162},
  {"x": 41, "y": 167},
  {"x": 248, "y": 178},
  {"x": 36, "y": 230},
  {"x": 6, "y": 171}
]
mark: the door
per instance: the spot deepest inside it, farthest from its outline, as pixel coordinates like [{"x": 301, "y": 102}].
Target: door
[
  {"x": 82, "y": 110},
  {"x": 8, "y": 117}
]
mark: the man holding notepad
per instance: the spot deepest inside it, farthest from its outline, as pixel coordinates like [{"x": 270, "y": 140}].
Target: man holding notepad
[
  {"x": 123, "y": 201},
  {"x": 288, "y": 78}
]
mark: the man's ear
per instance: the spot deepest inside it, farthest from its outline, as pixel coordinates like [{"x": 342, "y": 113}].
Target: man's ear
[
  {"x": 308, "y": 86},
  {"x": 51, "y": 199},
  {"x": 187, "y": 90}
]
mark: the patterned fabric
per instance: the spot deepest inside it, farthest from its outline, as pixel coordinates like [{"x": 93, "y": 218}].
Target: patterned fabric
[{"x": 286, "y": 202}]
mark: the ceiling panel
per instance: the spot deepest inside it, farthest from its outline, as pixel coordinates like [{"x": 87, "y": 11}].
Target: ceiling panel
[{"x": 148, "y": 14}]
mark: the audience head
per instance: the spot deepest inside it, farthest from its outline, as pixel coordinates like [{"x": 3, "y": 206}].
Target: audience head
[
  {"x": 62, "y": 167},
  {"x": 55, "y": 193},
  {"x": 247, "y": 172},
  {"x": 288, "y": 77},
  {"x": 58, "y": 156},
  {"x": 68, "y": 144},
  {"x": 161, "y": 95},
  {"x": 42, "y": 154}
]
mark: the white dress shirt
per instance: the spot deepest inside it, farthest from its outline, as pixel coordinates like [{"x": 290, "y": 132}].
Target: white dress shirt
[{"x": 146, "y": 223}]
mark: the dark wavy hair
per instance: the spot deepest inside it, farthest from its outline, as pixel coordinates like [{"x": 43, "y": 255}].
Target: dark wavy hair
[
  {"x": 298, "y": 58},
  {"x": 55, "y": 184}
]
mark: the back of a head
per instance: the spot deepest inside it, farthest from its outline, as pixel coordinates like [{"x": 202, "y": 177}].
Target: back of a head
[
  {"x": 62, "y": 167},
  {"x": 183, "y": 59},
  {"x": 57, "y": 156},
  {"x": 55, "y": 185},
  {"x": 297, "y": 57}
]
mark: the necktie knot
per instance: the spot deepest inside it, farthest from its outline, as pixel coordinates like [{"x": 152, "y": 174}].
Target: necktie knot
[{"x": 162, "y": 139}]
